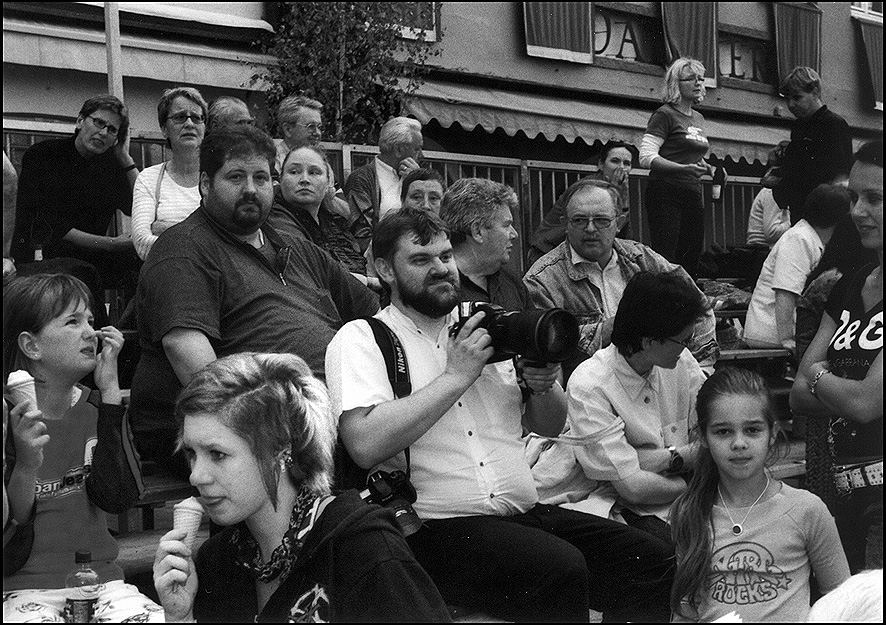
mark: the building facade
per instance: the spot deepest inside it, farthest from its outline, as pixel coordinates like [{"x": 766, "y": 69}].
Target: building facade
[{"x": 524, "y": 92}]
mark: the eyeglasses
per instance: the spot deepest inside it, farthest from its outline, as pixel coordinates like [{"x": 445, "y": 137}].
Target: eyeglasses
[
  {"x": 693, "y": 79},
  {"x": 103, "y": 125},
  {"x": 180, "y": 118},
  {"x": 311, "y": 127},
  {"x": 685, "y": 343},
  {"x": 600, "y": 223}
]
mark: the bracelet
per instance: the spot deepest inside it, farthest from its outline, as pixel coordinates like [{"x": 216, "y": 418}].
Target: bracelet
[
  {"x": 816, "y": 379},
  {"x": 538, "y": 393},
  {"x": 130, "y": 168}
]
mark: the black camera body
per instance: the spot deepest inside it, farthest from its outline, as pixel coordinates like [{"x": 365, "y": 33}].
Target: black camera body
[
  {"x": 394, "y": 490},
  {"x": 541, "y": 336}
]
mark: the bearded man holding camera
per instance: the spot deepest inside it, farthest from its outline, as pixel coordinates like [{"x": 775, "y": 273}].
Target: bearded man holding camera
[{"x": 485, "y": 540}]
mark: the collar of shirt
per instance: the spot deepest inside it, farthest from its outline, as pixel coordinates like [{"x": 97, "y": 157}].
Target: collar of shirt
[
  {"x": 632, "y": 382},
  {"x": 402, "y": 321},
  {"x": 389, "y": 184},
  {"x": 578, "y": 259}
]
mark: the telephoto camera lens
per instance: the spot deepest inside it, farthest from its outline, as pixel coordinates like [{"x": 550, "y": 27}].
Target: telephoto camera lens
[{"x": 540, "y": 336}]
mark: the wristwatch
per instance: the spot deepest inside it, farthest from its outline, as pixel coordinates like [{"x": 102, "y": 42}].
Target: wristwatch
[{"x": 676, "y": 460}]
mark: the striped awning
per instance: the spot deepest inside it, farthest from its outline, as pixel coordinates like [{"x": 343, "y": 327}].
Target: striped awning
[{"x": 472, "y": 106}]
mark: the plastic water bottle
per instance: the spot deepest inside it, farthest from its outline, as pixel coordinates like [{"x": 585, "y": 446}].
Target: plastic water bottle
[
  {"x": 82, "y": 586},
  {"x": 719, "y": 183}
]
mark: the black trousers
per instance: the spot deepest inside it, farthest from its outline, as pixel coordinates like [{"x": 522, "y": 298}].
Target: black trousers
[
  {"x": 859, "y": 518},
  {"x": 548, "y": 564},
  {"x": 676, "y": 223}
]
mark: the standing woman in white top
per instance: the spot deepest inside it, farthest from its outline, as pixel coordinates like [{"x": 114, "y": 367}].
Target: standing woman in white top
[
  {"x": 166, "y": 194},
  {"x": 673, "y": 149}
]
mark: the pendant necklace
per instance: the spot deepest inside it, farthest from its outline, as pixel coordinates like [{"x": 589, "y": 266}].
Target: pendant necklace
[{"x": 737, "y": 528}]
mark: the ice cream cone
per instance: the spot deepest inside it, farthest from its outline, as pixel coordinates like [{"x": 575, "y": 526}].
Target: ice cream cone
[
  {"x": 186, "y": 515},
  {"x": 20, "y": 387}
]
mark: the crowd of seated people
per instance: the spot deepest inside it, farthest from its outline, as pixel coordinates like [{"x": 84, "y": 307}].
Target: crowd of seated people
[{"x": 543, "y": 489}]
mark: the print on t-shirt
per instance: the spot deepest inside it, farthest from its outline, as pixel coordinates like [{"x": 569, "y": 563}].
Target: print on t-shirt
[
  {"x": 745, "y": 573},
  {"x": 869, "y": 339},
  {"x": 694, "y": 133},
  {"x": 74, "y": 479},
  {"x": 311, "y": 607}
]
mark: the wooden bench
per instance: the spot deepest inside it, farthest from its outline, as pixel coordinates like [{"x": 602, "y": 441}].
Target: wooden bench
[
  {"x": 791, "y": 465},
  {"x": 727, "y": 355},
  {"x": 137, "y": 550},
  {"x": 160, "y": 487}
]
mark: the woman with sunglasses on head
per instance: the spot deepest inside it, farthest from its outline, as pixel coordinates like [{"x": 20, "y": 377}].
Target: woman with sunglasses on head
[
  {"x": 167, "y": 193},
  {"x": 673, "y": 149},
  {"x": 70, "y": 190}
]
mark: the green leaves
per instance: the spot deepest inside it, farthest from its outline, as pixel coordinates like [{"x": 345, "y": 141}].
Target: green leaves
[{"x": 349, "y": 56}]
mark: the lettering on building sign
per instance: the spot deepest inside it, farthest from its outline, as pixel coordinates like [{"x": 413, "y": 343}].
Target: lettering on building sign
[
  {"x": 623, "y": 36},
  {"x": 744, "y": 59}
]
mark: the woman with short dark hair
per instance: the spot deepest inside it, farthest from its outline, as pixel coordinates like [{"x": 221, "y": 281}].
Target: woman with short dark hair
[
  {"x": 630, "y": 410},
  {"x": 165, "y": 194}
]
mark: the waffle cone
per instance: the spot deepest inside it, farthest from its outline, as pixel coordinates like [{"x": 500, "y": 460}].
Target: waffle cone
[
  {"x": 189, "y": 520},
  {"x": 22, "y": 391}
]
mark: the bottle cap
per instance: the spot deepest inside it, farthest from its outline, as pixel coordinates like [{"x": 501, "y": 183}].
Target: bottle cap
[{"x": 82, "y": 557}]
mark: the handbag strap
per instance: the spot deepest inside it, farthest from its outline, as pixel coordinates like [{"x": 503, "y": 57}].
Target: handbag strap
[{"x": 157, "y": 190}]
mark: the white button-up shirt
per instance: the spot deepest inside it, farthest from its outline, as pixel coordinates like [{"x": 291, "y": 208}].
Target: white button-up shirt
[
  {"x": 612, "y": 412},
  {"x": 390, "y": 184},
  {"x": 470, "y": 462}
]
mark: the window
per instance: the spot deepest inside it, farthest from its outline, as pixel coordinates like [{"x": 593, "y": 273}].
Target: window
[
  {"x": 419, "y": 20},
  {"x": 627, "y": 35},
  {"x": 586, "y": 32},
  {"x": 871, "y": 10},
  {"x": 746, "y": 57}
]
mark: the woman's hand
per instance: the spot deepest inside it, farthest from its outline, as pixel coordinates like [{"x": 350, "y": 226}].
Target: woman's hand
[
  {"x": 698, "y": 169},
  {"x": 111, "y": 343},
  {"x": 175, "y": 578},
  {"x": 29, "y": 434},
  {"x": 619, "y": 175},
  {"x": 121, "y": 151}
]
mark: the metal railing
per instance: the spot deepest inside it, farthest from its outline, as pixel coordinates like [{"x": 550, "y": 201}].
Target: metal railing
[{"x": 537, "y": 184}]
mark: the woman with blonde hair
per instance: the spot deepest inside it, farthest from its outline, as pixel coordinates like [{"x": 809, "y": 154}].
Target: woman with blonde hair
[
  {"x": 259, "y": 435},
  {"x": 167, "y": 193},
  {"x": 673, "y": 149}
]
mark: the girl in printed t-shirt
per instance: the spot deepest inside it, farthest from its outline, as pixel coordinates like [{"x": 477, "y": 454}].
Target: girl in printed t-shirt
[
  {"x": 746, "y": 542},
  {"x": 69, "y": 458}
]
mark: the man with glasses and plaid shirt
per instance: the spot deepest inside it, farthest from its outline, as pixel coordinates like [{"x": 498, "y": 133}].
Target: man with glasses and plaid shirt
[
  {"x": 588, "y": 272},
  {"x": 69, "y": 192}
]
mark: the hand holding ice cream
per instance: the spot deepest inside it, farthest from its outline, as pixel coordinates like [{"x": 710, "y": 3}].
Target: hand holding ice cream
[
  {"x": 25, "y": 420},
  {"x": 186, "y": 515},
  {"x": 20, "y": 387}
]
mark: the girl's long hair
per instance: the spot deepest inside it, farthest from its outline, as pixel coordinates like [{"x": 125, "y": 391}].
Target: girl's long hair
[{"x": 691, "y": 517}]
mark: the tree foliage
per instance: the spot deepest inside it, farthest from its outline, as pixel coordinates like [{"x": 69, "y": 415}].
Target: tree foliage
[{"x": 350, "y": 56}]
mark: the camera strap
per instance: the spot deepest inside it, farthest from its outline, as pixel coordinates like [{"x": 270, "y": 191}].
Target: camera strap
[{"x": 395, "y": 362}]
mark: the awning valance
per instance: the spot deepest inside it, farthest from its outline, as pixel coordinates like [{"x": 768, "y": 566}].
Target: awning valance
[{"x": 535, "y": 115}]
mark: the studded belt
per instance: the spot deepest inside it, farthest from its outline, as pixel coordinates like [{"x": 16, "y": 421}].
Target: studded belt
[{"x": 850, "y": 477}]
